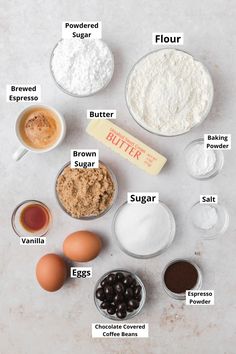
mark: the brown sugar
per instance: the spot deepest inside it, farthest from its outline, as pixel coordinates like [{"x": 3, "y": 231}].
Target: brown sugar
[{"x": 85, "y": 192}]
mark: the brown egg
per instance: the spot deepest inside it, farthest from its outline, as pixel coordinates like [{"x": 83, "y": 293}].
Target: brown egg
[
  {"x": 82, "y": 246},
  {"x": 51, "y": 272}
]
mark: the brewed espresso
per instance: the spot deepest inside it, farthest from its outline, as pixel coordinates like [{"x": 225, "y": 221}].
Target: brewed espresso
[{"x": 40, "y": 128}]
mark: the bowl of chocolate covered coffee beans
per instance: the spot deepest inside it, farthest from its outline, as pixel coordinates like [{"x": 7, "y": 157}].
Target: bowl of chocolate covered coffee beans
[{"x": 119, "y": 295}]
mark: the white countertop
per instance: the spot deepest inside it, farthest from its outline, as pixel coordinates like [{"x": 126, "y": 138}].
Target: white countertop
[{"x": 36, "y": 322}]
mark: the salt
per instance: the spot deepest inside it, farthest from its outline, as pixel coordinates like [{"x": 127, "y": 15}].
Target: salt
[{"x": 205, "y": 216}]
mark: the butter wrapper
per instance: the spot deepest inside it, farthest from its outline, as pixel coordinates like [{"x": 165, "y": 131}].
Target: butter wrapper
[{"x": 127, "y": 146}]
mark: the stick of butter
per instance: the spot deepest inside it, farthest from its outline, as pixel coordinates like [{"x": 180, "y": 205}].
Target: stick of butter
[{"x": 126, "y": 145}]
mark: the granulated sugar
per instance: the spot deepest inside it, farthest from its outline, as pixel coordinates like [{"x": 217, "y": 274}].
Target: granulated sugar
[{"x": 144, "y": 230}]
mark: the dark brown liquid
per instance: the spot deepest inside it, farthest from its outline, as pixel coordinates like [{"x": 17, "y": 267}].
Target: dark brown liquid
[
  {"x": 40, "y": 128},
  {"x": 34, "y": 217},
  {"x": 180, "y": 276}
]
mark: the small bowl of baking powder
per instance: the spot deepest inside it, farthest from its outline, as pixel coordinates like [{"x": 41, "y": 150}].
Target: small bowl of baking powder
[
  {"x": 168, "y": 92},
  {"x": 200, "y": 163},
  {"x": 81, "y": 67}
]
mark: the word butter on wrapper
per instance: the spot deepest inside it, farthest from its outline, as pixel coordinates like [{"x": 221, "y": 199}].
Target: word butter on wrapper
[{"x": 127, "y": 146}]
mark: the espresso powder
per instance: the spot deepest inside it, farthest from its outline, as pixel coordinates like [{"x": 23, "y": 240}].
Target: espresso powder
[{"x": 180, "y": 276}]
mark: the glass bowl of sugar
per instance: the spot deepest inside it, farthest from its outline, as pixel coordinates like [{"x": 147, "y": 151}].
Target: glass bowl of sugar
[{"x": 144, "y": 230}]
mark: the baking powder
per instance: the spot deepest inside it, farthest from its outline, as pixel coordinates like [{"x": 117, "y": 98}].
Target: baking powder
[
  {"x": 168, "y": 92},
  {"x": 82, "y": 67},
  {"x": 200, "y": 161}
]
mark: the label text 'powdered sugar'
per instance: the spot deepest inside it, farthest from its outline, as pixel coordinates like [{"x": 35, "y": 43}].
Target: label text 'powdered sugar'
[{"x": 82, "y": 29}]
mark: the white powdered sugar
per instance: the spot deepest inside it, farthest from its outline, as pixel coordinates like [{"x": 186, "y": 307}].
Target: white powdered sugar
[
  {"x": 82, "y": 67},
  {"x": 168, "y": 92}
]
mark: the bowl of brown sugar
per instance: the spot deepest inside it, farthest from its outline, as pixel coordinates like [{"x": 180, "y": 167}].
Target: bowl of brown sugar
[{"x": 86, "y": 193}]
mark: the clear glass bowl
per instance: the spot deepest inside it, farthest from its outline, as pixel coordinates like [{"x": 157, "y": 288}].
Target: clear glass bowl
[
  {"x": 155, "y": 253},
  {"x": 129, "y": 314},
  {"x": 219, "y": 228},
  {"x": 74, "y": 94},
  {"x": 218, "y": 165},
  {"x": 91, "y": 217},
  {"x": 148, "y": 128},
  {"x": 18, "y": 227},
  {"x": 181, "y": 296}
]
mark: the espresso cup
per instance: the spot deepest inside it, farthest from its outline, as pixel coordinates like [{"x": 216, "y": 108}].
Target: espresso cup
[{"x": 25, "y": 147}]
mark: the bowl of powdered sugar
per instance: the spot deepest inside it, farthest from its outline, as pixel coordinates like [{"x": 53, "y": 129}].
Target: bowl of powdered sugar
[
  {"x": 82, "y": 67},
  {"x": 168, "y": 92}
]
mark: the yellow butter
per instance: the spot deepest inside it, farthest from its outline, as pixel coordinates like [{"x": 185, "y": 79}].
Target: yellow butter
[{"x": 127, "y": 146}]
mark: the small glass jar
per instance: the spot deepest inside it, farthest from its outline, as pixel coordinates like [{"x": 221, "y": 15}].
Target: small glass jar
[
  {"x": 16, "y": 220},
  {"x": 129, "y": 314},
  {"x": 218, "y": 228},
  {"x": 217, "y": 166},
  {"x": 181, "y": 296},
  {"x": 90, "y": 217}
]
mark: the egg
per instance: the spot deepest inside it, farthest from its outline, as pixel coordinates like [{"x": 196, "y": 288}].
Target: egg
[
  {"x": 82, "y": 246},
  {"x": 51, "y": 272}
]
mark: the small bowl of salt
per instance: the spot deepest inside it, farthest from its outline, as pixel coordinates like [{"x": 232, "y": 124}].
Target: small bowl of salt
[
  {"x": 200, "y": 163},
  {"x": 210, "y": 220}
]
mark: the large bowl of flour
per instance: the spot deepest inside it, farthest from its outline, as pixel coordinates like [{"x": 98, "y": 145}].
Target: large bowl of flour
[{"x": 168, "y": 92}]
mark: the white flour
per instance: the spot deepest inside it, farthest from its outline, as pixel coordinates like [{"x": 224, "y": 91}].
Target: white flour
[
  {"x": 82, "y": 67},
  {"x": 168, "y": 92},
  {"x": 200, "y": 161}
]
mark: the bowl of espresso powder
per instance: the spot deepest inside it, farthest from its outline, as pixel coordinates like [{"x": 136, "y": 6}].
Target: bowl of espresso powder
[{"x": 179, "y": 276}]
